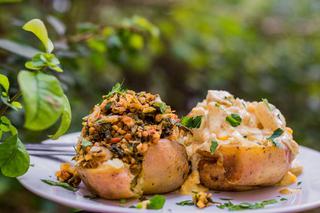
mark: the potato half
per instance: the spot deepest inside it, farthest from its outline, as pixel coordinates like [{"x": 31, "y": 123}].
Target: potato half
[
  {"x": 164, "y": 169},
  {"x": 237, "y": 168}
]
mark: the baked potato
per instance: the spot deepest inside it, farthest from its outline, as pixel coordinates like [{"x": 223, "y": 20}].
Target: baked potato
[
  {"x": 128, "y": 147},
  {"x": 240, "y": 145}
]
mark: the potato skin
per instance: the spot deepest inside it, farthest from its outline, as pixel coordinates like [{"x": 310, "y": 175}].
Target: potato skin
[
  {"x": 238, "y": 168},
  {"x": 108, "y": 182},
  {"x": 165, "y": 168}
]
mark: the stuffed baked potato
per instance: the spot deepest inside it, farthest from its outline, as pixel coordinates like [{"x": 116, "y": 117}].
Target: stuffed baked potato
[
  {"x": 128, "y": 147},
  {"x": 239, "y": 146}
]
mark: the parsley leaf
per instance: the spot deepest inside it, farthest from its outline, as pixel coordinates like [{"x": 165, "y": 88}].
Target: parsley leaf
[
  {"x": 60, "y": 184},
  {"x": 117, "y": 88},
  {"x": 234, "y": 119},
  {"x": 213, "y": 147},
  {"x": 162, "y": 106},
  {"x": 283, "y": 199},
  {"x": 185, "y": 203},
  {"x": 156, "y": 202},
  {"x": 246, "y": 205},
  {"x": 85, "y": 143},
  {"x": 277, "y": 133},
  {"x": 191, "y": 122}
]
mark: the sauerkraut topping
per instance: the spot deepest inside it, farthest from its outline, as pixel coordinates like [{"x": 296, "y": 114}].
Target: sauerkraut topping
[{"x": 122, "y": 127}]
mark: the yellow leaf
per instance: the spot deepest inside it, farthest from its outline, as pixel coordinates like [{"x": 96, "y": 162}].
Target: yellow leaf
[{"x": 37, "y": 27}]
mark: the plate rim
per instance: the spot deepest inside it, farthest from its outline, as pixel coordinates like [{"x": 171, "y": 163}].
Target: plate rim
[{"x": 109, "y": 208}]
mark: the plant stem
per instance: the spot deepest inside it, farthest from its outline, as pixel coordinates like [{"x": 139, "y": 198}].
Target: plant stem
[{"x": 14, "y": 98}]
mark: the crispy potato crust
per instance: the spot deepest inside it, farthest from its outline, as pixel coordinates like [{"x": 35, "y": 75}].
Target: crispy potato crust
[{"x": 237, "y": 168}]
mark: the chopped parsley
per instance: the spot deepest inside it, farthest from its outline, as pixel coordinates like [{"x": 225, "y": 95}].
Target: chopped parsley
[
  {"x": 225, "y": 198},
  {"x": 60, "y": 184},
  {"x": 162, "y": 106},
  {"x": 191, "y": 122},
  {"x": 117, "y": 88},
  {"x": 108, "y": 106},
  {"x": 283, "y": 199},
  {"x": 90, "y": 196},
  {"x": 246, "y": 205},
  {"x": 122, "y": 201},
  {"x": 277, "y": 133},
  {"x": 85, "y": 143},
  {"x": 156, "y": 202},
  {"x": 299, "y": 183},
  {"x": 185, "y": 203},
  {"x": 234, "y": 119},
  {"x": 213, "y": 147}
]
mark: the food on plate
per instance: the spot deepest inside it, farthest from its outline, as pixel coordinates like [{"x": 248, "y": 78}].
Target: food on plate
[
  {"x": 239, "y": 145},
  {"x": 128, "y": 146}
]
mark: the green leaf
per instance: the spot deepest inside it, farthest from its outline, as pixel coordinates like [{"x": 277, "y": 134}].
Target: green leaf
[
  {"x": 85, "y": 143},
  {"x": 185, "y": 203},
  {"x": 156, "y": 202},
  {"x": 43, "y": 99},
  {"x": 18, "y": 49},
  {"x": 234, "y": 119},
  {"x": 6, "y": 126},
  {"x": 16, "y": 104},
  {"x": 277, "y": 133},
  {"x": 4, "y": 82},
  {"x": 43, "y": 60},
  {"x": 60, "y": 184},
  {"x": 191, "y": 122},
  {"x": 37, "y": 27},
  {"x": 117, "y": 88},
  {"x": 161, "y": 105},
  {"x": 14, "y": 159},
  {"x": 65, "y": 119},
  {"x": 213, "y": 146}
]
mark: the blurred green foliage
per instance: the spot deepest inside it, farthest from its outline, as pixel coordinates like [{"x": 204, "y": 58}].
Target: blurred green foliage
[{"x": 253, "y": 48}]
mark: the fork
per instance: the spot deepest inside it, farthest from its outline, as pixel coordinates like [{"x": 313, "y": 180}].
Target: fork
[{"x": 50, "y": 149}]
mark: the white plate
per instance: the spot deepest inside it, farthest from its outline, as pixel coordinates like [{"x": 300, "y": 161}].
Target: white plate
[{"x": 306, "y": 198}]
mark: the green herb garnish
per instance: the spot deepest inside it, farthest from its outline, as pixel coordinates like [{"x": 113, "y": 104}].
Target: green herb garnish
[
  {"x": 234, "y": 119},
  {"x": 122, "y": 201},
  {"x": 90, "y": 196},
  {"x": 85, "y": 143},
  {"x": 191, "y": 122},
  {"x": 161, "y": 105},
  {"x": 156, "y": 202},
  {"x": 299, "y": 183},
  {"x": 213, "y": 147},
  {"x": 108, "y": 106},
  {"x": 117, "y": 88},
  {"x": 185, "y": 203},
  {"x": 60, "y": 184},
  {"x": 277, "y": 133},
  {"x": 246, "y": 205},
  {"x": 283, "y": 199},
  {"x": 225, "y": 198}
]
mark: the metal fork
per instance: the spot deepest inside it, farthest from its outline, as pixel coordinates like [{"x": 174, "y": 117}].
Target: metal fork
[{"x": 50, "y": 149}]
